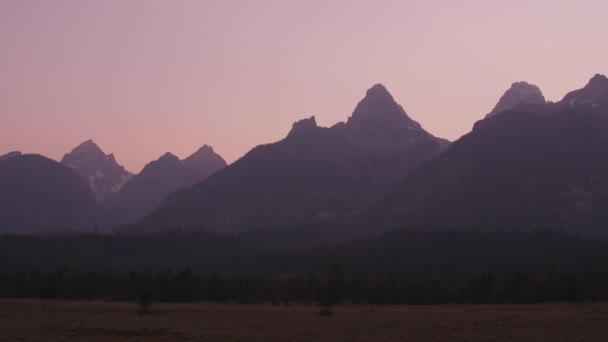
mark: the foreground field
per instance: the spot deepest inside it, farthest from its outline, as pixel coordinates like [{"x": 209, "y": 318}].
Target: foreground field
[{"x": 30, "y": 320}]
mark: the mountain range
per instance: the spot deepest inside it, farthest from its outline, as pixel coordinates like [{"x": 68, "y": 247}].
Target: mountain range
[
  {"x": 535, "y": 166},
  {"x": 528, "y": 164},
  {"x": 146, "y": 190},
  {"x": 88, "y": 190},
  {"x": 314, "y": 175}
]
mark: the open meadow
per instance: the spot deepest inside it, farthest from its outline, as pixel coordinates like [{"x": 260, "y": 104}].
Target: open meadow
[{"x": 55, "y": 320}]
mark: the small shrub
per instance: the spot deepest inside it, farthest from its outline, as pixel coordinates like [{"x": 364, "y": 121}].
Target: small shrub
[
  {"x": 144, "y": 301},
  {"x": 326, "y": 311}
]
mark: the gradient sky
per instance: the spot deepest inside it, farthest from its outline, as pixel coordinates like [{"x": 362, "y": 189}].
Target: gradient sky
[{"x": 145, "y": 77}]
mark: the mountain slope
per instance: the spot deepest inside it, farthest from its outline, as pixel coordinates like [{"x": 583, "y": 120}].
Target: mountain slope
[
  {"x": 104, "y": 175},
  {"x": 40, "y": 195},
  {"x": 146, "y": 190},
  {"x": 524, "y": 169},
  {"x": 10, "y": 155},
  {"x": 314, "y": 175}
]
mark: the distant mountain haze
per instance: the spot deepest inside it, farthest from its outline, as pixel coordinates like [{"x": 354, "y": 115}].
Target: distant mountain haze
[
  {"x": 104, "y": 175},
  {"x": 528, "y": 164},
  {"x": 315, "y": 174},
  {"x": 40, "y": 195},
  {"x": 540, "y": 166},
  {"x": 43, "y": 196},
  {"x": 146, "y": 190}
]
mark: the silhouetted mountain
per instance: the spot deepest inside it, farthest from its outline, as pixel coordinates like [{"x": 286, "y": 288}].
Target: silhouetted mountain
[
  {"x": 379, "y": 121},
  {"x": 40, "y": 195},
  {"x": 594, "y": 94},
  {"x": 104, "y": 175},
  {"x": 521, "y": 169},
  {"x": 315, "y": 174},
  {"x": 519, "y": 93},
  {"x": 145, "y": 191},
  {"x": 10, "y": 155},
  {"x": 201, "y": 164}
]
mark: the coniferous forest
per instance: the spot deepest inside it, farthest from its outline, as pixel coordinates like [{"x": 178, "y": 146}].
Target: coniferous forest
[{"x": 404, "y": 267}]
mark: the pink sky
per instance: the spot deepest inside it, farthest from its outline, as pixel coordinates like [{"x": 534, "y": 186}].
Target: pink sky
[{"x": 145, "y": 77}]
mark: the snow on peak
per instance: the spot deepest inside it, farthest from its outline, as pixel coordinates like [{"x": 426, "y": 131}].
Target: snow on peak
[{"x": 518, "y": 93}]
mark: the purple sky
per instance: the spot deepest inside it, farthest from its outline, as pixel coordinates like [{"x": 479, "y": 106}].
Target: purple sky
[{"x": 145, "y": 77}]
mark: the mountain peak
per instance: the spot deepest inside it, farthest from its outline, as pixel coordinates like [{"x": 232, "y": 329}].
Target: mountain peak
[
  {"x": 519, "y": 93},
  {"x": 378, "y": 102},
  {"x": 166, "y": 164},
  {"x": 599, "y": 79},
  {"x": 203, "y": 162},
  {"x": 10, "y": 155},
  {"x": 303, "y": 127},
  {"x": 168, "y": 156},
  {"x": 104, "y": 174},
  {"x": 598, "y": 84},
  {"x": 205, "y": 148},
  {"x": 88, "y": 147},
  {"x": 205, "y": 152},
  {"x": 378, "y": 92},
  {"x": 379, "y": 120},
  {"x": 594, "y": 94}
]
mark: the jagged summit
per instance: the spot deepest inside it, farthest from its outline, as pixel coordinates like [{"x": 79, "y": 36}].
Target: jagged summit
[
  {"x": 379, "y": 120},
  {"x": 304, "y": 126},
  {"x": 88, "y": 142},
  {"x": 104, "y": 174},
  {"x": 379, "y": 105},
  {"x": 378, "y": 92},
  {"x": 87, "y": 149},
  {"x": 519, "y": 93},
  {"x": 594, "y": 94},
  {"x": 599, "y": 79}
]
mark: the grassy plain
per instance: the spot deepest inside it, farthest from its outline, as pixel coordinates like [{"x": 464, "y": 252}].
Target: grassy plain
[{"x": 38, "y": 320}]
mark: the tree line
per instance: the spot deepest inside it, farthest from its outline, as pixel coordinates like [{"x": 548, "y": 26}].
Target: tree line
[
  {"x": 328, "y": 288},
  {"x": 301, "y": 266}
]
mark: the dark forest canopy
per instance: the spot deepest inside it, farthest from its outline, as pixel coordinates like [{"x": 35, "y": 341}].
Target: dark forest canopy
[
  {"x": 403, "y": 267},
  {"x": 403, "y": 253}
]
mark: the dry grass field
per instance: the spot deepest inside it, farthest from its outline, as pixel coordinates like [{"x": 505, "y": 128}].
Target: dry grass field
[{"x": 32, "y": 320}]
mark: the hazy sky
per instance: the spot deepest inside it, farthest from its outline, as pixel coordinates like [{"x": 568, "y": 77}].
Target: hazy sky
[{"x": 145, "y": 77}]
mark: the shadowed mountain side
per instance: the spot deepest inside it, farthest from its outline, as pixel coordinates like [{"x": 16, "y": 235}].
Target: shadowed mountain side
[
  {"x": 40, "y": 195},
  {"x": 523, "y": 170},
  {"x": 313, "y": 175},
  {"x": 10, "y": 155},
  {"x": 145, "y": 191}
]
